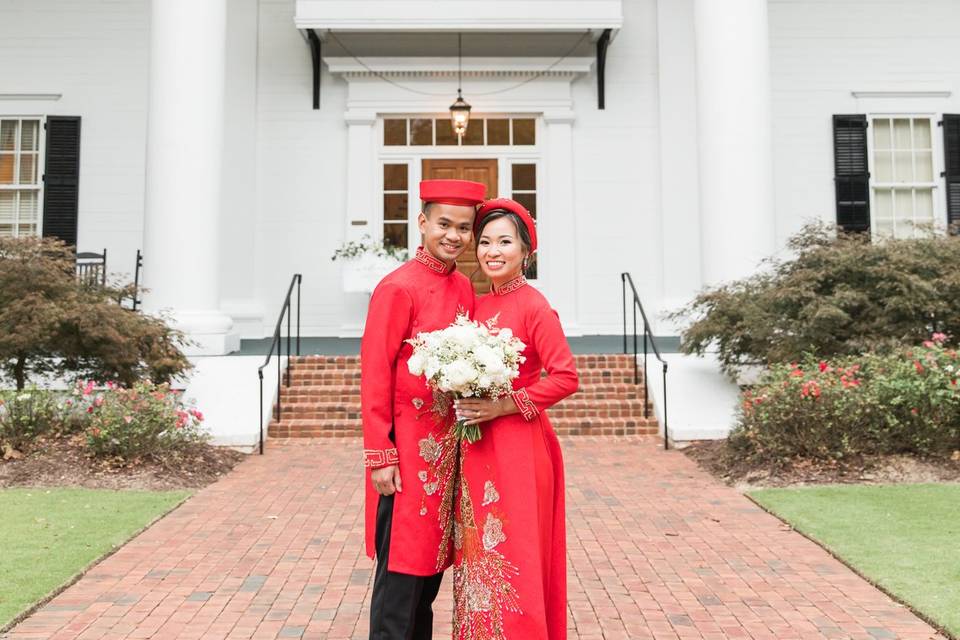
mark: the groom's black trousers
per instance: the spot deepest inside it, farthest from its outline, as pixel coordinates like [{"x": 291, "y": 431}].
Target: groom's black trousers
[{"x": 401, "y": 606}]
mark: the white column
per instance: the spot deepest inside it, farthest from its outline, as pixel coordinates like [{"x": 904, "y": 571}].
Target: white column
[
  {"x": 184, "y": 161},
  {"x": 556, "y": 224},
  {"x": 734, "y": 128}
]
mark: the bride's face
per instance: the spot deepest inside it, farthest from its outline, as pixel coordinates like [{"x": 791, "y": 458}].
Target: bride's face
[{"x": 499, "y": 250}]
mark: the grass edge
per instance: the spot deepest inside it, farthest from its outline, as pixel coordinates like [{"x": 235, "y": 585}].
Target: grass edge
[
  {"x": 69, "y": 582},
  {"x": 836, "y": 556}
]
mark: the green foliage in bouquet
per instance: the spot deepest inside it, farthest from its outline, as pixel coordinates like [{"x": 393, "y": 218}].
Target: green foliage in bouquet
[
  {"x": 145, "y": 421},
  {"x": 51, "y": 324},
  {"x": 907, "y": 401},
  {"x": 837, "y": 295}
]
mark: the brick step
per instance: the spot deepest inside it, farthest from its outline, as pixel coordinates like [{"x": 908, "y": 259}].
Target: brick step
[
  {"x": 351, "y": 394},
  {"x": 346, "y": 363},
  {"x": 324, "y": 377},
  {"x": 303, "y": 428},
  {"x": 575, "y": 407},
  {"x": 604, "y": 426}
]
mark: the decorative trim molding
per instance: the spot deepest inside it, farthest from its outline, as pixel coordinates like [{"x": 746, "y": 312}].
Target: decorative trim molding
[
  {"x": 902, "y": 93},
  {"x": 461, "y": 16},
  {"x": 447, "y": 67},
  {"x": 35, "y": 95}
]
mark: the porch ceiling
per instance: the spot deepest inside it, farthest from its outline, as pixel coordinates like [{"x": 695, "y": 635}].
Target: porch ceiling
[{"x": 461, "y": 16}]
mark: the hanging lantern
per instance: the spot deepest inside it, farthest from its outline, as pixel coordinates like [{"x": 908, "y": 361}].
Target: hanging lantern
[{"x": 460, "y": 115}]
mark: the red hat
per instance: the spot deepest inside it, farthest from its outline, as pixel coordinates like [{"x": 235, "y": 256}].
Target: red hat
[
  {"x": 506, "y": 204},
  {"x": 459, "y": 192}
]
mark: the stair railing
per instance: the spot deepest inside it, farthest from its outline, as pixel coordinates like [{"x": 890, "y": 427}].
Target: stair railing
[
  {"x": 278, "y": 345},
  {"x": 648, "y": 338}
]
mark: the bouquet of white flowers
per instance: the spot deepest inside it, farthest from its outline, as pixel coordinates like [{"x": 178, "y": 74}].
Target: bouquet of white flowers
[{"x": 468, "y": 359}]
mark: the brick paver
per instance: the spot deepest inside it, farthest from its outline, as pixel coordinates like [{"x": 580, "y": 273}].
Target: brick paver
[{"x": 657, "y": 550}]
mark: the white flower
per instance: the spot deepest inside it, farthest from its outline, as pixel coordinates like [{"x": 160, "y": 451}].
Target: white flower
[
  {"x": 457, "y": 375},
  {"x": 417, "y": 362}
]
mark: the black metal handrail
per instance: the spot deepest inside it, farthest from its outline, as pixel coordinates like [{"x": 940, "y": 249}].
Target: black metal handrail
[
  {"x": 278, "y": 344},
  {"x": 647, "y": 337}
]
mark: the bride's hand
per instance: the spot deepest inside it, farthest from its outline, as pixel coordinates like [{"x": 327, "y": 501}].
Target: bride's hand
[{"x": 477, "y": 410}]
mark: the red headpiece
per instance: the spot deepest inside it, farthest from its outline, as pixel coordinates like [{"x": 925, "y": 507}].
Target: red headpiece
[
  {"x": 506, "y": 204},
  {"x": 465, "y": 193}
]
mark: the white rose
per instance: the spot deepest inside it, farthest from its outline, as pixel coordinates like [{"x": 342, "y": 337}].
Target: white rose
[
  {"x": 416, "y": 362},
  {"x": 457, "y": 375}
]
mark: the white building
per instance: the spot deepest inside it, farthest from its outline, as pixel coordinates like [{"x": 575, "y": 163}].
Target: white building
[{"x": 191, "y": 134}]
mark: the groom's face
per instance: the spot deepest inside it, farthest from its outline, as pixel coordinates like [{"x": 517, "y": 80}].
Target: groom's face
[{"x": 447, "y": 230}]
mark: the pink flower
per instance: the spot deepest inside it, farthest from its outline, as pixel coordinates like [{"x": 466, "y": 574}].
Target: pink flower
[
  {"x": 196, "y": 414},
  {"x": 824, "y": 366},
  {"x": 98, "y": 401},
  {"x": 111, "y": 385},
  {"x": 939, "y": 338},
  {"x": 929, "y": 344},
  {"x": 918, "y": 366},
  {"x": 128, "y": 419},
  {"x": 797, "y": 373},
  {"x": 914, "y": 411},
  {"x": 88, "y": 388},
  {"x": 95, "y": 431},
  {"x": 89, "y": 409}
]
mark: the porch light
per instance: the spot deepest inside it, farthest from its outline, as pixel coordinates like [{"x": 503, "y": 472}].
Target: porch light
[
  {"x": 460, "y": 115},
  {"x": 460, "y": 109}
]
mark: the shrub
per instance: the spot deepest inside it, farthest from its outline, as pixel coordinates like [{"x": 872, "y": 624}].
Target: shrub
[
  {"x": 26, "y": 414},
  {"x": 52, "y": 324},
  {"x": 902, "y": 402},
  {"x": 145, "y": 421},
  {"x": 837, "y": 295}
]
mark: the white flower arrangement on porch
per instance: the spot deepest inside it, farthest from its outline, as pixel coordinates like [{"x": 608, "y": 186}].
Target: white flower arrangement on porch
[{"x": 366, "y": 262}]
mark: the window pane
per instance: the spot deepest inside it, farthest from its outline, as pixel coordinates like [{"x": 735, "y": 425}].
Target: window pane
[
  {"x": 883, "y": 166},
  {"x": 421, "y": 131},
  {"x": 28, "y": 230},
  {"x": 524, "y": 131},
  {"x": 395, "y": 133},
  {"x": 28, "y": 168},
  {"x": 29, "y": 140},
  {"x": 394, "y": 177},
  {"x": 525, "y": 177},
  {"x": 394, "y": 206},
  {"x": 883, "y": 204},
  {"x": 881, "y": 134},
  {"x": 498, "y": 131},
  {"x": 474, "y": 134},
  {"x": 903, "y": 166},
  {"x": 528, "y": 200},
  {"x": 445, "y": 134},
  {"x": 8, "y": 201},
  {"x": 6, "y": 168},
  {"x": 8, "y": 135},
  {"x": 28, "y": 206},
  {"x": 395, "y": 235},
  {"x": 901, "y": 134},
  {"x": 924, "y": 206},
  {"x": 903, "y": 204},
  {"x": 921, "y": 133},
  {"x": 924, "y": 161},
  {"x": 884, "y": 228}
]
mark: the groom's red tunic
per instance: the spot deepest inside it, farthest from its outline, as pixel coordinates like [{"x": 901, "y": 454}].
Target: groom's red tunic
[{"x": 422, "y": 295}]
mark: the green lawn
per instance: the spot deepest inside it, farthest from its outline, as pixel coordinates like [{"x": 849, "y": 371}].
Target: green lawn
[
  {"x": 905, "y": 538},
  {"x": 47, "y": 536}
]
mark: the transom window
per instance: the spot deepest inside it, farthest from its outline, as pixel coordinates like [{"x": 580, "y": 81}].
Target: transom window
[
  {"x": 903, "y": 176},
  {"x": 19, "y": 177},
  {"x": 428, "y": 132}
]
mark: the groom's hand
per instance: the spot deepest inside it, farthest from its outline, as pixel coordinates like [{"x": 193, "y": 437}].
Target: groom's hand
[{"x": 386, "y": 480}]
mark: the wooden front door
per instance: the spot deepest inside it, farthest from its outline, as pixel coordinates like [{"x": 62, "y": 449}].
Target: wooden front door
[{"x": 484, "y": 171}]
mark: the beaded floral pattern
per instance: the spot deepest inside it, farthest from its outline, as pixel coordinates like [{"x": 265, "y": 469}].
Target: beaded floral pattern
[
  {"x": 439, "y": 478},
  {"x": 483, "y": 590}
]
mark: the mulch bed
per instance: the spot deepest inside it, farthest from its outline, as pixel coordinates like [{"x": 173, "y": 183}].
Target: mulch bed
[
  {"x": 63, "y": 461},
  {"x": 714, "y": 457}
]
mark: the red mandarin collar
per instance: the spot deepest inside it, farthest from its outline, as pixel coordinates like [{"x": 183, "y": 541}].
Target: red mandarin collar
[
  {"x": 510, "y": 285},
  {"x": 435, "y": 265}
]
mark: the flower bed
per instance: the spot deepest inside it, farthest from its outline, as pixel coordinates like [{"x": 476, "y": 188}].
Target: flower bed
[{"x": 904, "y": 402}]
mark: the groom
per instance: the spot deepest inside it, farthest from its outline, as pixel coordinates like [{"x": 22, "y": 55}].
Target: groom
[{"x": 399, "y": 432}]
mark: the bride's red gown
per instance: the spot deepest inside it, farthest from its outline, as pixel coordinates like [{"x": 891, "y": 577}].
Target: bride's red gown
[{"x": 510, "y": 573}]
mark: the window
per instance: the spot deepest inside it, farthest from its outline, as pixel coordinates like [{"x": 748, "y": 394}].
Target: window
[
  {"x": 523, "y": 189},
  {"x": 902, "y": 176},
  {"x": 424, "y": 131},
  {"x": 395, "y": 186},
  {"x": 19, "y": 177}
]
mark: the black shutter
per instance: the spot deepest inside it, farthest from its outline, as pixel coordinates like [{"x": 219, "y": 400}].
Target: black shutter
[
  {"x": 851, "y": 177},
  {"x": 951, "y": 164},
  {"x": 61, "y": 178}
]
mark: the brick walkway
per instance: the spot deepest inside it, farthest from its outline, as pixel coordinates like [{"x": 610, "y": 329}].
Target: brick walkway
[{"x": 657, "y": 550}]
